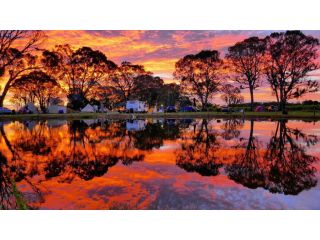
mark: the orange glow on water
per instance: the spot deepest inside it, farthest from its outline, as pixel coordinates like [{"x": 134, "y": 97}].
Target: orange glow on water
[{"x": 95, "y": 164}]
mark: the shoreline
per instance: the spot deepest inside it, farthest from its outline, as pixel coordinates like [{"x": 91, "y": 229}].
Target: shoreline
[{"x": 247, "y": 115}]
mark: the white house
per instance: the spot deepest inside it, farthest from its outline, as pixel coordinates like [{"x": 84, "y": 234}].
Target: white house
[
  {"x": 57, "y": 109},
  {"x": 89, "y": 108},
  {"x": 135, "y": 125},
  {"x": 29, "y": 108},
  {"x": 136, "y": 106}
]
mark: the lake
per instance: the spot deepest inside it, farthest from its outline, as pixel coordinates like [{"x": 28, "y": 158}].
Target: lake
[{"x": 160, "y": 164}]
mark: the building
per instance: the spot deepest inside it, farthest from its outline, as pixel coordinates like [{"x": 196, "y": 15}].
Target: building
[
  {"x": 136, "y": 106},
  {"x": 57, "y": 109},
  {"x": 29, "y": 108},
  {"x": 89, "y": 108}
]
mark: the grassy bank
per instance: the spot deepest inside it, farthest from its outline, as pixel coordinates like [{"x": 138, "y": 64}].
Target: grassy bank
[{"x": 271, "y": 115}]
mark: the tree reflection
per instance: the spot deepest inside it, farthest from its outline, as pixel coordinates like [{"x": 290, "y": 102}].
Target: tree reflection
[
  {"x": 10, "y": 196},
  {"x": 246, "y": 169},
  {"x": 198, "y": 152},
  {"x": 290, "y": 168},
  {"x": 89, "y": 149},
  {"x": 35, "y": 152},
  {"x": 154, "y": 134},
  {"x": 232, "y": 128},
  {"x": 284, "y": 167},
  {"x": 85, "y": 158}
]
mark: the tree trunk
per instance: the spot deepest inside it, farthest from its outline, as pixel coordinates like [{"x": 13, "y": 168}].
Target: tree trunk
[
  {"x": 277, "y": 96},
  {"x": 6, "y": 90},
  {"x": 202, "y": 103},
  {"x": 250, "y": 141},
  {"x": 1, "y": 100},
  {"x": 252, "y": 98},
  {"x": 4, "y": 94},
  {"x": 283, "y": 106}
]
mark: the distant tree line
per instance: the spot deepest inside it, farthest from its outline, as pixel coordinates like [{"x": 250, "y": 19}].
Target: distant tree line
[{"x": 29, "y": 73}]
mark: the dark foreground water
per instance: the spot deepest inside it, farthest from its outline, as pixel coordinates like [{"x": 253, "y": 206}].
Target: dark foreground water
[{"x": 160, "y": 164}]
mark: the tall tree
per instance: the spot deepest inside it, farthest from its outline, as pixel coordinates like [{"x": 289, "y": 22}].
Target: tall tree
[
  {"x": 38, "y": 87},
  {"x": 231, "y": 94},
  {"x": 200, "y": 75},
  {"x": 169, "y": 94},
  {"x": 124, "y": 77},
  {"x": 147, "y": 88},
  {"x": 82, "y": 71},
  {"x": 16, "y": 47},
  {"x": 291, "y": 56},
  {"x": 246, "y": 60},
  {"x": 25, "y": 64}
]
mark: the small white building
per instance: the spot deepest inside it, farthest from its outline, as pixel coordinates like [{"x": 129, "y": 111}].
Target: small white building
[
  {"x": 89, "y": 108},
  {"x": 57, "y": 109},
  {"x": 136, "y": 106},
  {"x": 29, "y": 108},
  {"x": 135, "y": 125}
]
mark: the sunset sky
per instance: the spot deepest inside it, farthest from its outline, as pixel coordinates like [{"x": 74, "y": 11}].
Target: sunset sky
[{"x": 159, "y": 50}]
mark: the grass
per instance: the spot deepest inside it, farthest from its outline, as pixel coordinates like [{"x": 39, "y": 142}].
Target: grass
[
  {"x": 272, "y": 115},
  {"x": 21, "y": 204}
]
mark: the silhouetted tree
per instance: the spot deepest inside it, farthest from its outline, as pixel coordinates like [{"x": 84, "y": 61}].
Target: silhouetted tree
[
  {"x": 37, "y": 87},
  {"x": 169, "y": 94},
  {"x": 246, "y": 58},
  {"x": 200, "y": 75},
  {"x": 231, "y": 94},
  {"x": 12, "y": 55},
  {"x": 291, "y": 56},
  {"x": 123, "y": 79},
  {"x": 147, "y": 88},
  {"x": 82, "y": 71}
]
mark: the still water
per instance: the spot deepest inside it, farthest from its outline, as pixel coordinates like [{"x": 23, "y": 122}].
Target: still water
[{"x": 160, "y": 164}]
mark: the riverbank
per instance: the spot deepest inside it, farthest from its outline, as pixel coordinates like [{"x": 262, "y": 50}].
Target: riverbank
[{"x": 115, "y": 115}]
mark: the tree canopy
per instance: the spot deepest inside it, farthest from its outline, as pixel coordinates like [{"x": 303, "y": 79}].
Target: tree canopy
[{"x": 200, "y": 75}]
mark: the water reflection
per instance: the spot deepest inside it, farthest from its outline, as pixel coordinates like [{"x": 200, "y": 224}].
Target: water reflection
[
  {"x": 198, "y": 153},
  {"x": 290, "y": 169},
  {"x": 34, "y": 154},
  {"x": 247, "y": 168},
  {"x": 283, "y": 167}
]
